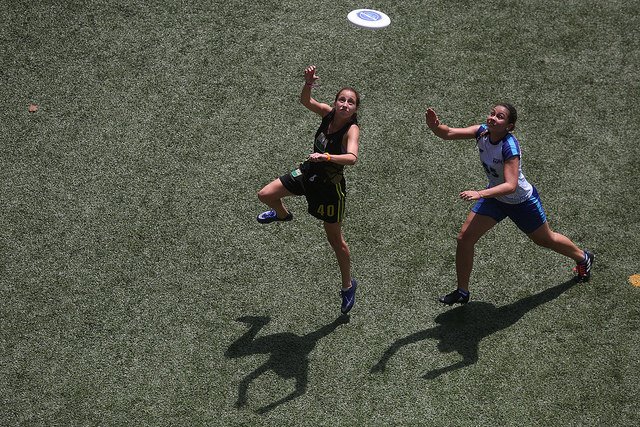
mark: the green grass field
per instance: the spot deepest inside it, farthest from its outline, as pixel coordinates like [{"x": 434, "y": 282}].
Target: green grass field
[{"x": 129, "y": 246}]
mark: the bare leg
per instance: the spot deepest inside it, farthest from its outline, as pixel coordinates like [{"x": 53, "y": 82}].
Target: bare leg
[
  {"x": 337, "y": 242},
  {"x": 545, "y": 237},
  {"x": 272, "y": 194},
  {"x": 473, "y": 228}
]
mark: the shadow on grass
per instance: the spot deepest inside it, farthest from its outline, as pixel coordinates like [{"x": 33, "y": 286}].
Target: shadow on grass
[
  {"x": 289, "y": 355},
  {"x": 461, "y": 329}
]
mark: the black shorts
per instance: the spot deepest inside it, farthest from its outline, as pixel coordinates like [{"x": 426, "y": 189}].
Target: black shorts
[{"x": 325, "y": 199}]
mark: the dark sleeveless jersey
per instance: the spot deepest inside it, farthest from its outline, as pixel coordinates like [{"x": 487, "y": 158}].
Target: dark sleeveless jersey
[{"x": 329, "y": 143}]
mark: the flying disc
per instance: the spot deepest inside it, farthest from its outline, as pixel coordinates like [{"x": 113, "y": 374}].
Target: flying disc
[{"x": 368, "y": 18}]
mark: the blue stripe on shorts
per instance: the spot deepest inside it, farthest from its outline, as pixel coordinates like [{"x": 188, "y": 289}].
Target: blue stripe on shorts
[{"x": 528, "y": 215}]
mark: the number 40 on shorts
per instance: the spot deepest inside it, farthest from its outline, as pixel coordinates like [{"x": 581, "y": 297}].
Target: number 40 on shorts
[{"x": 330, "y": 210}]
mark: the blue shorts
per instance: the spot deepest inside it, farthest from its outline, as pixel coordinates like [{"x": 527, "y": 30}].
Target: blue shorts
[{"x": 528, "y": 215}]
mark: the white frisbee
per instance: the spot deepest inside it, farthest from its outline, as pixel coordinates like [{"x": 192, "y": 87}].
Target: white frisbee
[{"x": 368, "y": 18}]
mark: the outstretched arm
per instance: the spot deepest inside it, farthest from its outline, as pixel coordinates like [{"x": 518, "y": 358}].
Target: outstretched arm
[
  {"x": 446, "y": 132},
  {"x": 310, "y": 78}
]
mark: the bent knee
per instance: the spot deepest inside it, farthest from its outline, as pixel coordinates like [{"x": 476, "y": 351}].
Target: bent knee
[
  {"x": 264, "y": 195},
  {"x": 464, "y": 238},
  {"x": 337, "y": 243}
]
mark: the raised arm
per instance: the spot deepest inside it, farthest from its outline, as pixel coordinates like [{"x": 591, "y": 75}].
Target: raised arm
[
  {"x": 445, "y": 132},
  {"x": 305, "y": 97}
]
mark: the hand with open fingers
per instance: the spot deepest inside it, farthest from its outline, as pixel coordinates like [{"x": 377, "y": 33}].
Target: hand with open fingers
[
  {"x": 470, "y": 195},
  {"x": 432, "y": 118},
  {"x": 310, "y": 75}
]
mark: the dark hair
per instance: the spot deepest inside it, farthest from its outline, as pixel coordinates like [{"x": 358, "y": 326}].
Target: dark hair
[
  {"x": 513, "y": 114},
  {"x": 355, "y": 115}
]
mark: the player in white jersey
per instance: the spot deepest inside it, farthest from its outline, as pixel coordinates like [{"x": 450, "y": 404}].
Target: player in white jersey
[{"x": 508, "y": 194}]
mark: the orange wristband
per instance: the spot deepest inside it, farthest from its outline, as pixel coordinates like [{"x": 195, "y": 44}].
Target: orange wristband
[{"x": 328, "y": 157}]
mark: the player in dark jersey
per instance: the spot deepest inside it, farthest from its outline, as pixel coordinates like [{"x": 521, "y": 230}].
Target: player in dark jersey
[
  {"x": 321, "y": 177},
  {"x": 508, "y": 194}
]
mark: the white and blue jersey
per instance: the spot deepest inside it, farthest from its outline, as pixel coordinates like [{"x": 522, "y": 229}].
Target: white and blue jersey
[{"x": 493, "y": 156}]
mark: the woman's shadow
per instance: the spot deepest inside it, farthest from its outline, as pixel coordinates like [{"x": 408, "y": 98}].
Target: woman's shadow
[
  {"x": 462, "y": 328},
  {"x": 288, "y": 355}
]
